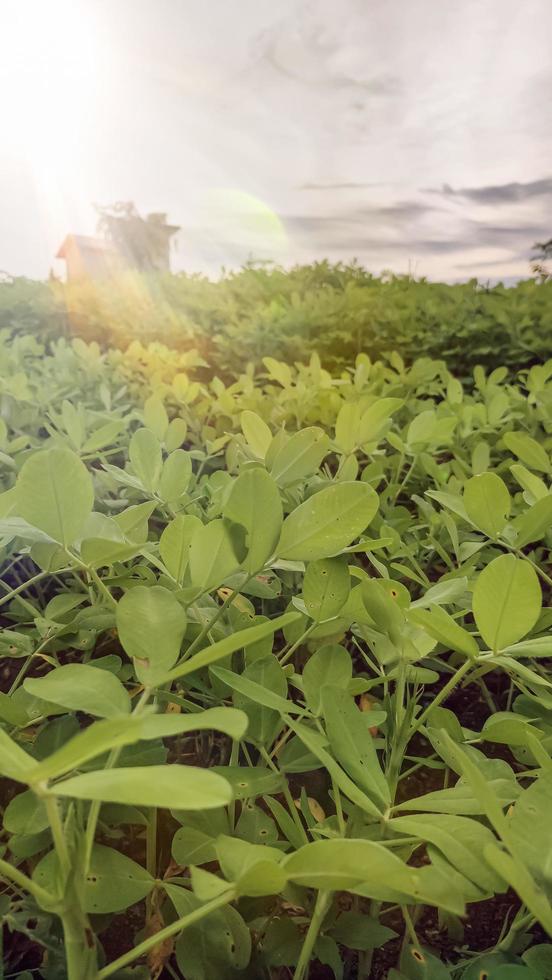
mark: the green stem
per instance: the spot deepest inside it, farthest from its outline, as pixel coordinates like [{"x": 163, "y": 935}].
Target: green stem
[
  {"x": 58, "y": 834},
  {"x": 321, "y": 906},
  {"x": 212, "y": 622},
  {"x": 287, "y": 794},
  {"x": 405, "y": 479},
  {"x": 43, "y": 897},
  {"x": 338, "y": 808},
  {"x": 442, "y": 695},
  {"x": 95, "y": 806},
  {"x": 166, "y": 933},
  {"x": 410, "y": 930},
  {"x": 25, "y": 585},
  {"x": 26, "y": 665},
  {"x": 289, "y": 653},
  {"x": 79, "y": 945},
  {"x": 151, "y": 856},
  {"x": 519, "y": 923}
]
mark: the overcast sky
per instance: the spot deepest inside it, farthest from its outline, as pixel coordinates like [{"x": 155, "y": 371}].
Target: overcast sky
[{"x": 410, "y": 134}]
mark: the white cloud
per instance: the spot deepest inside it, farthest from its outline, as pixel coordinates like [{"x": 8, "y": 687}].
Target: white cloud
[{"x": 334, "y": 116}]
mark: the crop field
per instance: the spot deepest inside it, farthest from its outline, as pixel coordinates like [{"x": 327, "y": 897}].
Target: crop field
[{"x": 276, "y": 686}]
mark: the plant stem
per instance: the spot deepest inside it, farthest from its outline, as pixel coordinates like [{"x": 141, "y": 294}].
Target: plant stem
[
  {"x": 289, "y": 653},
  {"x": 321, "y": 906},
  {"x": 95, "y": 806},
  {"x": 79, "y": 944},
  {"x": 287, "y": 794},
  {"x": 151, "y": 856},
  {"x": 338, "y": 808},
  {"x": 410, "y": 930},
  {"x": 58, "y": 833},
  {"x": 166, "y": 933},
  {"x": 442, "y": 695},
  {"x": 25, "y": 585},
  {"x": 212, "y": 622},
  {"x": 43, "y": 897}
]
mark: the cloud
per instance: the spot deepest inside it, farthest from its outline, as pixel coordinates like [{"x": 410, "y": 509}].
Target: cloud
[
  {"x": 512, "y": 193},
  {"x": 388, "y": 215},
  {"x": 305, "y": 49},
  {"x": 344, "y": 185}
]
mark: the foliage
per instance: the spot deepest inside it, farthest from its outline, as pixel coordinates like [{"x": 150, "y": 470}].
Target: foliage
[
  {"x": 235, "y": 617},
  {"x": 142, "y": 243},
  {"x": 335, "y": 310}
]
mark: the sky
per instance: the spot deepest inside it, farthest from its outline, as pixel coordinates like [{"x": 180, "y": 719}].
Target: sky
[{"x": 412, "y": 135}]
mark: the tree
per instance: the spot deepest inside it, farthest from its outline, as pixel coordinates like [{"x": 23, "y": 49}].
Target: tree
[
  {"x": 539, "y": 261},
  {"x": 143, "y": 243}
]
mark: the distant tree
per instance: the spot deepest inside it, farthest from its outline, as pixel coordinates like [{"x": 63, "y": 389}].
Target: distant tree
[
  {"x": 539, "y": 261},
  {"x": 143, "y": 243}
]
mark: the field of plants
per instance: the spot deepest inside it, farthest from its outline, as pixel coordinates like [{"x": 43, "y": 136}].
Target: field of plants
[
  {"x": 276, "y": 685},
  {"x": 333, "y": 310}
]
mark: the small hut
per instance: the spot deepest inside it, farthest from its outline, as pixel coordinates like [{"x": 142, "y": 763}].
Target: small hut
[
  {"x": 88, "y": 258},
  {"x": 129, "y": 242}
]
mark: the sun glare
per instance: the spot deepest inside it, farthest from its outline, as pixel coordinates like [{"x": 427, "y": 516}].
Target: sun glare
[
  {"x": 50, "y": 74},
  {"x": 48, "y": 54}
]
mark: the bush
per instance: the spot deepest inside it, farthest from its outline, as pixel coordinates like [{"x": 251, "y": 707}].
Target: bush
[{"x": 336, "y": 310}]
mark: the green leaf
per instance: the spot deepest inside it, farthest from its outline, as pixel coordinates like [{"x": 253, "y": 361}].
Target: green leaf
[
  {"x": 352, "y": 744},
  {"x": 54, "y": 493},
  {"x": 88, "y": 744},
  {"x": 535, "y": 522},
  {"x": 155, "y": 416},
  {"x": 316, "y": 744},
  {"x": 175, "y": 476},
  {"x": 519, "y": 878},
  {"x": 192, "y": 846},
  {"x": 261, "y": 692},
  {"x": 254, "y": 503},
  {"x": 254, "y": 691},
  {"x": 327, "y": 522},
  {"x": 223, "y": 648},
  {"x": 25, "y": 814},
  {"x": 175, "y": 543},
  {"x": 359, "y": 866},
  {"x": 326, "y": 588},
  {"x": 80, "y": 687},
  {"x": 133, "y": 521},
  {"x": 330, "y": 665},
  {"x": 460, "y": 799},
  {"x": 248, "y": 782},
  {"x": 362, "y": 932},
  {"x": 213, "y": 555},
  {"x": 373, "y": 419},
  {"x": 231, "y": 721},
  {"x": 145, "y": 455},
  {"x": 151, "y": 624},
  {"x": 179, "y": 787},
  {"x": 443, "y": 628},
  {"x": 112, "y": 883},
  {"x": 300, "y": 456},
  {"x": 487, "y": 502},
  {"x": 506, "y": 601},
  {"x": 460, "y": 840},
  {"x": 529, "y": 828},
  {"x": 528, "y": 450},
  {"x": 256, "y": 432}
]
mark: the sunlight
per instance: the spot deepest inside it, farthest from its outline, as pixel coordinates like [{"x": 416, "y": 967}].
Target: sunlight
[
  {"x": 48, "y": 66},
  {"x": 51, "y": 64}
]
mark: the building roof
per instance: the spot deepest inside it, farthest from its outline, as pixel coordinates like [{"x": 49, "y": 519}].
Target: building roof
[{"x": 85, "y": 243}]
